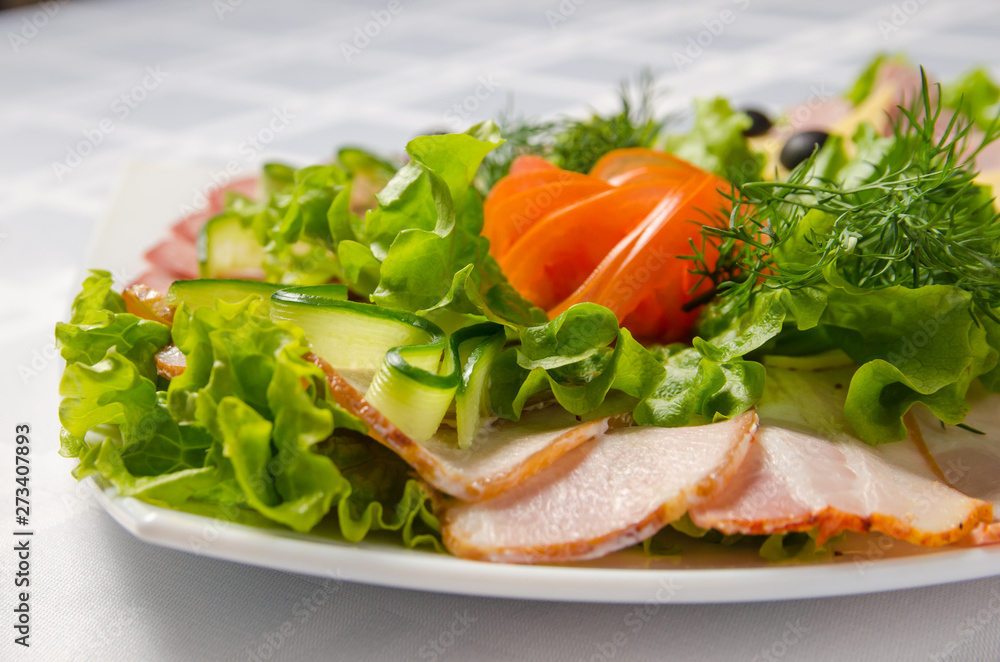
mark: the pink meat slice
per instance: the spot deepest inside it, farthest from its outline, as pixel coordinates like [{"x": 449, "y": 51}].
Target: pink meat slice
[
  {"x": 175, "y": 256},
  {"x": 605, "y": 495},
  {"x": 188, "y": 227},
  {"x": 155, "y": 279},
  {"x": 970, "y": 462},
  {"x": 796, "y": 481},
  {"x": 246, "y": 186},
  {"x": 503, "y": 454}
]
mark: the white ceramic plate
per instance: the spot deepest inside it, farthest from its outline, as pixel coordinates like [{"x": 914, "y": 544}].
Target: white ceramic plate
[{"x": 150, "y": 197}]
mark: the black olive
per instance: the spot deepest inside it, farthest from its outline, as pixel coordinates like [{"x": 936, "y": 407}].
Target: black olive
[
  {"x": 761, "y": 123},
  {"x": 801, "y": 146}
]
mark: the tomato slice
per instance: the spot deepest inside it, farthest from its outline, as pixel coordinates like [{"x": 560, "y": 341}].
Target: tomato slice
[
  {"x": 518, "y": 213},
  {"x": 647, "y": 263},
  {"x": 513, "y": 184},
  {"x": 559, "y": 252},
  {"x": 651, "y": 173},
  {"x": 620, "y": 161},
  {"x": 530, "y": 162}
]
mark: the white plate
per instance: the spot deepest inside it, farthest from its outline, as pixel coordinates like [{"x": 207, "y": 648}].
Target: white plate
[
  {"x": 869, "y": 564},
  {"x": 155, "y": 193}
]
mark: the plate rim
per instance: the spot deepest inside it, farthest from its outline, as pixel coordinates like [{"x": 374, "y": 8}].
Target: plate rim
[{"x": 380, "y": 565}]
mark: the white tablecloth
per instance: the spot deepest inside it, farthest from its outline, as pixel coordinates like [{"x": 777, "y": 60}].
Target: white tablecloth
[{"x": 88, "y": 86}]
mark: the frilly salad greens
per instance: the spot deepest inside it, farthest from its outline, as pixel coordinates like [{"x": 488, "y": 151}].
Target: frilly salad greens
[{"x": 879, "y": 250}]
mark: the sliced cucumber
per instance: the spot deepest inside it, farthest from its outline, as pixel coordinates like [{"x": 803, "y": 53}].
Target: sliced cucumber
[
  {"x": 206, "y": 291},
  {"x": 415, "y": 373},
  {"x": 471, "y": 399},
  {"x": 226, "y": 247},
  {"x": 350, "y": 335}
]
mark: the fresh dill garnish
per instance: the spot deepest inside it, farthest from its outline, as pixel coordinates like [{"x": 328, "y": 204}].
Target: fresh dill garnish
[
  {"x": 576, "y": 144},
  {"x": 919, "y": 218}
]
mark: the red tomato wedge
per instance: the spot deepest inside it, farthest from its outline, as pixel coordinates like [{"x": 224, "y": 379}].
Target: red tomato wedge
[
  {"x": 647, "y": 263},
  {"x": 557, "y": 254},
  {"x": 528, "y": 163},
  {"x": 513, "y": 217},
  {"x": 620, "y": 161},
  {"x": 652, "y": 173},
  {"x": 514, "y": 184}
]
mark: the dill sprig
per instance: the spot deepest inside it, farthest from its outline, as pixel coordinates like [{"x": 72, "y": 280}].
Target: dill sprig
[
  {"x": 918, "y": 219},
  {"x": 576, "y": 144}
]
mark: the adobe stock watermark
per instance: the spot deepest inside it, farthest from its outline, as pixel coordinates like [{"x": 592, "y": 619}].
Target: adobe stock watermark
[
  {"x": 634, "y": 621},
  {"x": 248, "y": 149},
  {"x": 790, "y": 637},
  {"x": 448, "y": 637},
  {"x": 122, "y": 106},
  {"x": 269, "y": 643},
  {"x": 33, "y": 24},
  {"x": 969, "y": 627},
  {"x": 562, "y": 12},
  {"x": 899, "y": 15},
  {"x": 715, "y": 26},
  {"x": 364, "y": 34},
  {"x": 224, "y": 7},
  {"x": 457, "y": 117}
]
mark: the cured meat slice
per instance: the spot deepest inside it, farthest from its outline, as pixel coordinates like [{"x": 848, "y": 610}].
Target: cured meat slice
[
  {"x": 188, "y": 227},
  {"x": 795, "y": 481},
  {"x": 968, "y": 461},
  {"x": 246, "y": 186},
  {"x": 175, "y": 256},
  {"x": 605, "y": 495},
  {"x": 502, "y": 455}
]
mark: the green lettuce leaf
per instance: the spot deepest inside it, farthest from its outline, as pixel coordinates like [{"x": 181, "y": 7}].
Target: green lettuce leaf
[
  {"x": 975, "y": 94},
  {"x": 716, "y": 142}
]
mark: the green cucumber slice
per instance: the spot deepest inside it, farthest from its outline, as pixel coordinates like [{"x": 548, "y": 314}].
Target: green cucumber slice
[
  {"x": 226, "y": 247},
  {"x": 415, "y": 372},
  {"x": 206, "y": 291}
]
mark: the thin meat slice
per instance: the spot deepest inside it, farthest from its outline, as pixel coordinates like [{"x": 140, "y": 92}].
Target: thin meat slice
[
  {"x": 246, "y": 186},
  {"x": 605, "y": 495},
  {"x": 968, "y": 461},
  {"x": 176, "y": 257},
  {"x": 188, "y": 227},
  {"x": 797, "y": 481},
  {"x": 501, "y": 456},
  {"x": 154, "y": 279}
]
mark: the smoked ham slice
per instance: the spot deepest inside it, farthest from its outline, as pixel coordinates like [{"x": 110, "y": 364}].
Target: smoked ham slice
[
  {"x": 806, "y": 470},
  {"x": 968, "y": 461},
  {"x": 605, "y": 495},
  {"x": 796, "y": 481},
  {"x": 501, "y": 456}
]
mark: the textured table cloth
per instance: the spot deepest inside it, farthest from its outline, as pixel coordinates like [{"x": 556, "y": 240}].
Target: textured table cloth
[{"x": 87, "y": 87}]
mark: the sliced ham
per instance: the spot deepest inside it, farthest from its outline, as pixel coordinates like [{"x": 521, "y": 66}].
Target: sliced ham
[
  {"x": 154, "y": 279},
  {"x": 605, "y": 495},
  {"x": 797, "y": 481},
  {"x": 188, "y": 227},
  {"x": 968, "y": 461},
  {"x": 246, "y": 186},
  {"x": 807, "y": 470},
  {"x": 176, "y": 257},
  {"x": 502, "y": 455}
]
